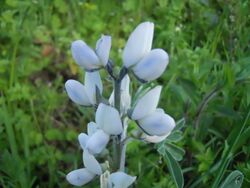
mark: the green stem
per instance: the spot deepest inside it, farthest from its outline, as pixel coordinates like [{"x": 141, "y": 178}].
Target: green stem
[
  {"x": 123, "y": 145},
  {"x": 119, "y": 146},
  {"x": 116, "y": 144},
  {"x": 117, "y": 94}
]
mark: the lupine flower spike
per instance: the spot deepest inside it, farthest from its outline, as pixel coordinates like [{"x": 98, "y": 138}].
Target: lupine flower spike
[{"x": 112, "y": 116}]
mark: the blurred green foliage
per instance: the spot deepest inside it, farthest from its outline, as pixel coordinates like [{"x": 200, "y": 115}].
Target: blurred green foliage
[{"x": 206, "y": 84}]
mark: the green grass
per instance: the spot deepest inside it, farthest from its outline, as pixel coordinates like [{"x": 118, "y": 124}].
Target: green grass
[{"x": 206, "y": 83}]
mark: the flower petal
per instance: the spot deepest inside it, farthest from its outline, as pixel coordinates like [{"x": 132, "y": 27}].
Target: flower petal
[
  {"x": 103, "y": 46},
  {"x": 83, "y": 140},
  {"x": 79, "y": 177},
  {"x": 121, "y": 179},
  {"x": 92, "y": 127},
  {"x": 84, "y": 55},
  {"x": 108, "y": 119},
  {"x": 154, "y": 139},
  {"x": 152, "y": 66},
  {"x": 93, "y": 80},
  {"x": 77, "y": 92},
  {"x": 138, "y": 44},
  {"x": 125, "y": 96},
  {"x": 157, "y": 123},
  {"x": 147, "y": 104},
  {"x": 97, "y": 142},
  {"x": 91, "y": 163}
]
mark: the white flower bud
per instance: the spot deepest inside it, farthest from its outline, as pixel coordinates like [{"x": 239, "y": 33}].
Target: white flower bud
[
  {"x": 91, "y": 163},
  {"x": 157, "y": 123},
  {"x": 147, "y": 104},
  {"x": 103, "y": 46},
  {"x": 152, "y": 66},
  {"x": 84, "y": 55},
  {"x": 108, "y": 119},
  {"x": 138, "y": 44},
  {"x": 79, "y": 177},
  {"x": 77, "y": 92},
  {"x": 121, "y": 179},
  {"x": 93, "y": 80},
  {"x": 97, "y": 142}
]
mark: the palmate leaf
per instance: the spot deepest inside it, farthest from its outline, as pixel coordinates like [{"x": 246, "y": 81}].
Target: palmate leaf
[{"x": 233, "y": 180}]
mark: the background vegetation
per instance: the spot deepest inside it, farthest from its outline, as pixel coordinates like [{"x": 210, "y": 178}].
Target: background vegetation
[{"x": 206, "y": 87}]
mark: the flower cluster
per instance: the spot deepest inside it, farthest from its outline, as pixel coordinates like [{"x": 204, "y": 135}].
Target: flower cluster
[{"x": 111, "y": 116}]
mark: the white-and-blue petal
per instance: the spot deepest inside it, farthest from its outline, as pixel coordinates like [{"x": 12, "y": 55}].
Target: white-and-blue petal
[
  {"x": 92, "y": 127},
  {"x": 83, "y": 140},
  {"x": 152, "y": 66},
  {"x": 91, "y": 163},
  {"x": 146, "y": 104},
  {"x": 103, "y": 47},
  {"x": 93, "y": 80},
  {"x": 108, "y": 119},
  {"x": 77, "y": 92},
  {"x": 84, "y": 55},
  {"x": 157, "y": 123},
  {"x": 97, "y": 142},
  {"x": 139, "y": 44},
  {"x": 121, "y": 180}
]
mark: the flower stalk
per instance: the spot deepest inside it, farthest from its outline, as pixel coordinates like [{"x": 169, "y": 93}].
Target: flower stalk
[{"x": 119, "y": 147}]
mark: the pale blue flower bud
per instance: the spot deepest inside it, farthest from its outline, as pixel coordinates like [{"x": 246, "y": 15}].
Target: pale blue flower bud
[
  {"x": 97, "y": 142},
  {"x": 158, "y": 123},
  {"x": 84, "y": 94},
  {"x": 77, "y": 92},
  {"x": 152, "y": 65},
  {"x": 84, "y": 55},
  {"x": 121, "y": 179},
  {"x": 108, "y": 119},
  {"x": 80, "y": 177}
]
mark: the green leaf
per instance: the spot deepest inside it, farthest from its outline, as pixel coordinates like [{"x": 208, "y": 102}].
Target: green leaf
[
  {"x": 174, "y": 169},
  {"x": 175, "y": 151},
  {"x": 233, "y": 180},
  {"x": 175, "y": 136},
  {"x": 180, "y": 124}
]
